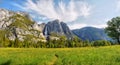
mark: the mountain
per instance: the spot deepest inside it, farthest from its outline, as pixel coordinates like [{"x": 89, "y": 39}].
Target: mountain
[
  {"x": 56, "y": 28},
  {"x": 91, "y": 34},
  {"x": 19, "y": 25}
]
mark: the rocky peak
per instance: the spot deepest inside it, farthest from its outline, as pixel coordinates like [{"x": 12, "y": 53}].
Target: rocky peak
[
  {"x": 38, "y": 27},
  {"x": 24, "y": 14},
  {"x": 56, "y": 21},
  {"x": 4, "y": 18},
  {"x": 42, "y": 25},
  {"x": 5, "y": 14},
  {"x": 58, "y": 28},
  {"x": 19, "y": 25}
]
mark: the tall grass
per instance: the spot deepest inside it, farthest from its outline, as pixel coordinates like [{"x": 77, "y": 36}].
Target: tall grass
[{"x": 109, "y": 55}]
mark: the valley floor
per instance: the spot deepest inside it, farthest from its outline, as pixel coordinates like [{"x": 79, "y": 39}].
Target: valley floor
[{"x": 107, "y": 55}]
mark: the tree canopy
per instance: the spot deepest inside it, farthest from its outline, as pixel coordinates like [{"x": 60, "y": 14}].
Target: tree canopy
[{"x": 113, "y": 29}]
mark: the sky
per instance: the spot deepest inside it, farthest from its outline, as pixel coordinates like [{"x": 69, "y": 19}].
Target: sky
[{"x": 76, "y": 13}]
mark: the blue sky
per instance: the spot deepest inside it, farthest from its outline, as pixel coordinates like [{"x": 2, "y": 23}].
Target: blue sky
[{"x": 76, "y": 13}]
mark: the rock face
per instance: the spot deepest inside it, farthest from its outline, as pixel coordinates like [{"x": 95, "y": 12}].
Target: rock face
[
  {"x": 91, "y": 34},
  {"x": 57, "y": 28},
  {"x": 20, "y": 25},
  {"x": 4, "y": 18},
  {"x": 39, "y": 27}
]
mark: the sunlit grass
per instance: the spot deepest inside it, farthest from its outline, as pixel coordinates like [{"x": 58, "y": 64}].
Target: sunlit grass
[{"x": 107, "y": 55}]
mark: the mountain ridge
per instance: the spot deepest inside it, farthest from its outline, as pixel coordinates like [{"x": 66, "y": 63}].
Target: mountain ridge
[{"x": 91, "y": 33}]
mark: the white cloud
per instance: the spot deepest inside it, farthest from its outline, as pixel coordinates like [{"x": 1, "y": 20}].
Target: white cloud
[
  {"x": 118, "y": 5},
  {"x": 40, "y": 22},
  {"x": 99, "y": 26},
  {"x": 64, "y": 12},
  {"x": 83, "y": 8},
  {"x": 79, "y": 25}
]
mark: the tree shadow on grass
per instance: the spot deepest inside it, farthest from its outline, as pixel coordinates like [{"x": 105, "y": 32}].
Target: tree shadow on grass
[{"x": 6, "y": 63}]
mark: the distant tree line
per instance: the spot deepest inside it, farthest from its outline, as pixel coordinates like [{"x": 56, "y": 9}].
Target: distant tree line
[
  {"x": 59, "y": 43},
  {"x": 62, "y": 42}
]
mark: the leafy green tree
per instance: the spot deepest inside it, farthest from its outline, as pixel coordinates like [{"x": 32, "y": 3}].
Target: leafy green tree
[
  {"x": 113, "y": 29},
  {"x": 62, "y": 41},
  {"x": 16, "y": 42},
  {"x": 86, "y": 43},
  {"x": 50, "y": 43},
  {"x": 101, "y": 43},
  {"x": 11, "y": 43},
  {"x": 6, "y": 42}
]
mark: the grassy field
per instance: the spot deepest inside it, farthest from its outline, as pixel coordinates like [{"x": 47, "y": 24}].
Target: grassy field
[{"x": 109, "y": 55}]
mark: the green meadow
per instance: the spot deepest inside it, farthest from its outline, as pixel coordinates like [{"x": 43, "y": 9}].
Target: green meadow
[{"x": 106, "y": 55}]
